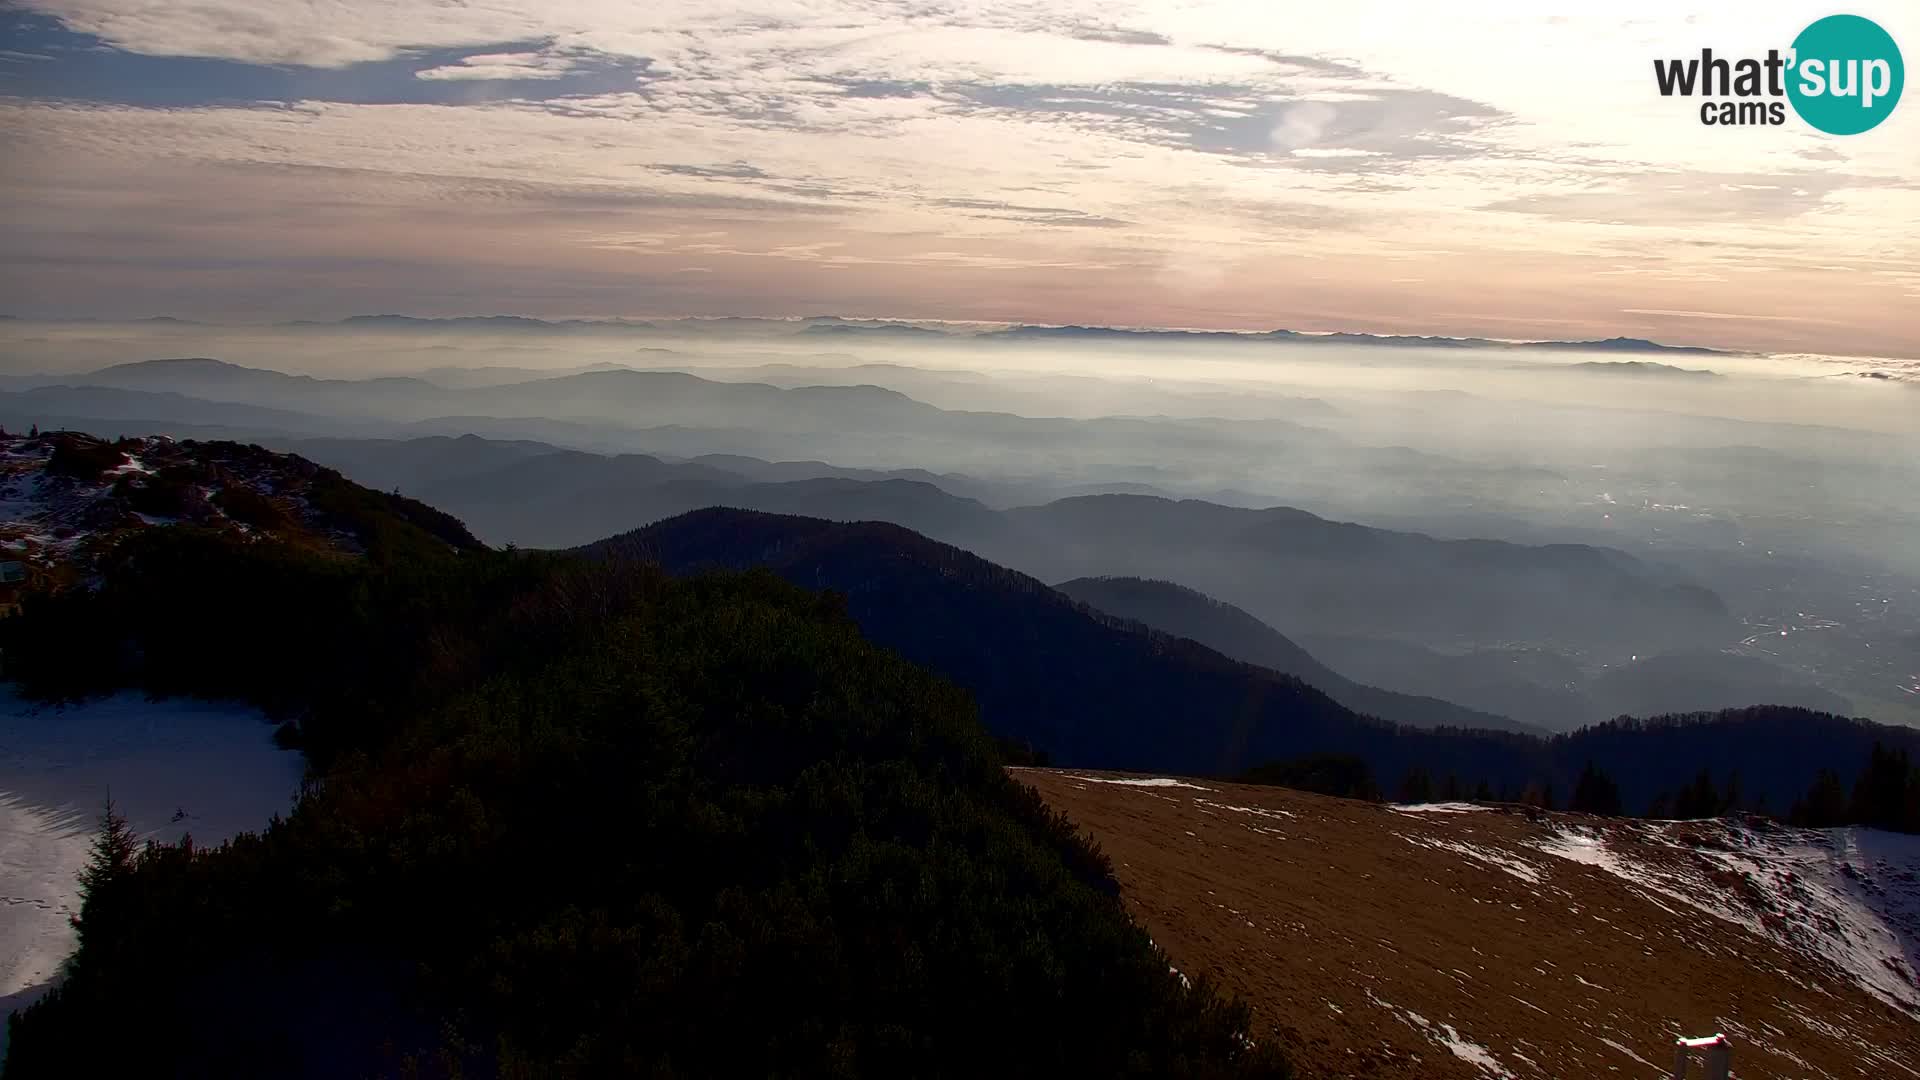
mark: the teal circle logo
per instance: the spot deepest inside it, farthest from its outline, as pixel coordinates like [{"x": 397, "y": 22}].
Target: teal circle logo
[{"x": 1847, "y": 74}]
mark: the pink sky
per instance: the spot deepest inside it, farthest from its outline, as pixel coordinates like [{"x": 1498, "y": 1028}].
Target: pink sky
[{"x": 1495, "y": 171}]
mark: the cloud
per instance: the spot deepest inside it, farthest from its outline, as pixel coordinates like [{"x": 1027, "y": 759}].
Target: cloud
[
  {"x": 1662, "y": 197},
  {"x": 1302, "y": 125},
  {"x": 506, "y": 66},
  {"x": 1205, "y": 156},
  {"x": 1737, "y": 316}
]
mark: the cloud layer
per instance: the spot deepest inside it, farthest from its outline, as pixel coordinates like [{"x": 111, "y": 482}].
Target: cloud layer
[{"x": 1495, "y": 171}]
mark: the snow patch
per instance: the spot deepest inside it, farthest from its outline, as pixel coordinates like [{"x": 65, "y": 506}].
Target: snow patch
[
  {"x": 1471, "y": 1052},
  {"x": 1628, "y": 1052},
  {"x": 1499, "y": 860},
  {"x": 1848, "y": 896},
  {"x": 173, "y": 767},
  {"x": 1578, "y": 845},
  {"x": 1257, "y": 811},
  {"x": 1159, "y": 781}
]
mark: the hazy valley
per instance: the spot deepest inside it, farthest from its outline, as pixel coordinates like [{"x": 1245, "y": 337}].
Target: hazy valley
[
  {"x": 525, "y": 586},
  {"x": 1609, "y": 533}
]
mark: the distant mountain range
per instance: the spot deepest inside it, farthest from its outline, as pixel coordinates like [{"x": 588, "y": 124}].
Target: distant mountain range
[
  {"x": 831, "y": 326},
  {"x": 1292, "y": 568},
  {"x": 1122, "y": 334},
  {"x": 1391, "y": 611},
  {"x": 1637, "y": 367},
  {"x": 1357, "y": 599}
]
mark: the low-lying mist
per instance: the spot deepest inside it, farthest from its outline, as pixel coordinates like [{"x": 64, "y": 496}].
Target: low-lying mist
[{"x": 1749, "y": 507}]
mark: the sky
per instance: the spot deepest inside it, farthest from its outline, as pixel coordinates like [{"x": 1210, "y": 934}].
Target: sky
[{"x": 1494, "y": 169}]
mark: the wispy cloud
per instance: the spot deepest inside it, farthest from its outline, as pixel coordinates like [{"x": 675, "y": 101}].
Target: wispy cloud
[
  {"x": 509, "y": 66},
  {"x": 1169, "y": 161}
]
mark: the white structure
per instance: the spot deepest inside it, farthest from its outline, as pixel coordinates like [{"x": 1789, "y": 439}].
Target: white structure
[{"x": 1714, "y": 1049}]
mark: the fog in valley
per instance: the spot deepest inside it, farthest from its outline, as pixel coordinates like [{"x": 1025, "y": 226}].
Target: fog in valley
[{"x": 1526, "y": 536}]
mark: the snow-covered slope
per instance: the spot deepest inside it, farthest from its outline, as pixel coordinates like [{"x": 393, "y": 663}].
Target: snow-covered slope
[
  {"x": 1847, "y": 896},
  {"x": 172, "y": 767}
]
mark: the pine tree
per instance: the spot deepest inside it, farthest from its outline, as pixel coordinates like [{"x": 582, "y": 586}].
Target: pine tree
[
  {"x": 1482, "y": 792},
  {"x": 1732, "y": 802},
  {"x": 1451, "y": 791},
  {"x": 1595, "y": 793},
  {"x": 1880, "y": 795},
  {"x": 1417, "y": 787},
  {"x": 1825, "y": 804},
  {"x": 108, "y": 864},
  {"x": 1910, "y": 812},
  {"x": 1699, "y": 799}
]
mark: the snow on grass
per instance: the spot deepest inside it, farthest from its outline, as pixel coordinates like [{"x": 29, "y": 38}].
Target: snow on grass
[
  {"x": 1578, "y": 845},
  {"x": 1257, "y": 811},
  {"x": 1439, "y": 808},
  {"x": 1444, "y": 1034},
  {"x": 172, "y": 767},
  {"x": 1848, "y": 896},
  {"x": 1629, "y": 1053},
  {"x": 1158, "y": 781},
  {"x": 1471, "y": 1052},
  {"x": 1499, "y": 860}
]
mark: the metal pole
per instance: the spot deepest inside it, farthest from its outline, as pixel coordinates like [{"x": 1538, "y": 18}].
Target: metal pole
[{"x": 1719, "y": 1061}]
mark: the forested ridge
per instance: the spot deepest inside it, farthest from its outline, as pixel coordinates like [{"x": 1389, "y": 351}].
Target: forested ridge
[
  {"x": 580, "y": 819},
  {"x": 1090, "y": 690}
]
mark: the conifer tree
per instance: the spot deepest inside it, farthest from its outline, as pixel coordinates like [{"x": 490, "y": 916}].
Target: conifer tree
[
  {"x": 1595, "y": 793},
  {"x": 1699, "y": 799},
  {"x": 1880, "y": 795},
  {"x": 108, "y": 865},
  {"x": 1825, "y": 804},
  {"x": 1417, "y": 787}
]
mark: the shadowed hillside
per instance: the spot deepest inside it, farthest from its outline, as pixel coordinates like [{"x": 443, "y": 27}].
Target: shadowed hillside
[
  {"x": 1232, "y": 632},
  {"x": 1095, "y": 691},
  {"x": 1085, "y": 688}
]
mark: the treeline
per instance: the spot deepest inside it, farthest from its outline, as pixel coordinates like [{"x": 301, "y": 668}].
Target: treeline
[
  {"x": 581, "y": 819},
  {"x": 1885, "y": 794}
]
